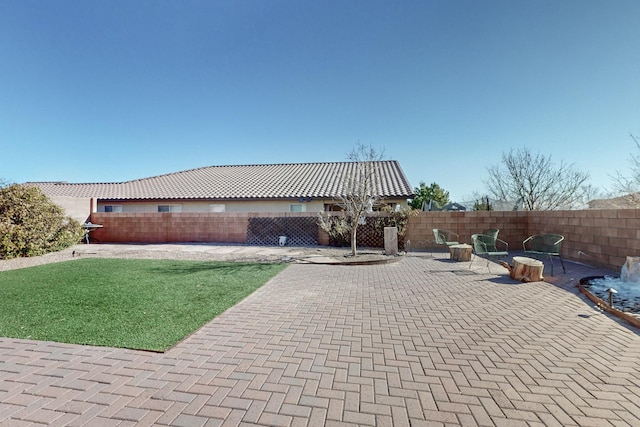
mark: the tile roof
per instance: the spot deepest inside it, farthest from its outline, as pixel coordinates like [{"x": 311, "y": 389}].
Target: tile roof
[{"x": 295, "y": 180}]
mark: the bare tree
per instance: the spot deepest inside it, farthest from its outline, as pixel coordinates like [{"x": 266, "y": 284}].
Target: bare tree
[
  {"x": 359, "y": 193},
  {"x": 590, "y": 194},
  {"x": 629, "y": 186},
  {"x": 537, "y": 181}
]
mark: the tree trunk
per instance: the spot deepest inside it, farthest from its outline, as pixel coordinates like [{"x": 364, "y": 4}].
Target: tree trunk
[
  {"x": 353, "y": 240},
  {"x": 460, "y": 252},
  {"x": 526, "y": 269}
]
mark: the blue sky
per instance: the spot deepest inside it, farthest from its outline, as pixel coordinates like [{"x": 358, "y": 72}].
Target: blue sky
[{"x": 110, "y": 91}]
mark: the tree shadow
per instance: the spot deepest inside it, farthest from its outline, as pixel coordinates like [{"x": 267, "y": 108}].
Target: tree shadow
[{"x": 196, "y": 267}]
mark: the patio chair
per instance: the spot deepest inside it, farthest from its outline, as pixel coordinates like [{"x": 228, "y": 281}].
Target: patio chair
[
  {"x": 544, "y": 245},
  {"x": 445, "y": 237},
  {"x": 489, "y": 238},
  {"x": 488, "y": 251}
]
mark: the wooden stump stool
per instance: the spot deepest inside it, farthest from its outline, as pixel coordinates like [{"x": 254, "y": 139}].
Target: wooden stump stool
[
  {"x": 526, "y": 269},
  {"x": 460, "y": 252}
]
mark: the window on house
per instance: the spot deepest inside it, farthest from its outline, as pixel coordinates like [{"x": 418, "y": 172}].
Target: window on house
[
  {"x": 113, "y": 208},
  {"x": 217, "y": 208},
  {"x": 169, "y": 208},
  {"x": 330, "y": 207},
  {"x": 298, "y": 207}
]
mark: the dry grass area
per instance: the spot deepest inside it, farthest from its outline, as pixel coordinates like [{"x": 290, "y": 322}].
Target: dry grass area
[{"x": 206, "y": 252}]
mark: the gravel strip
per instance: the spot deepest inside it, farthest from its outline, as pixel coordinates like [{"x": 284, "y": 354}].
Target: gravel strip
[{"x": 198, "y": 252}]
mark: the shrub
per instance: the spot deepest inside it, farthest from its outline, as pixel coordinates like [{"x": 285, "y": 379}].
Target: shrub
[
  {"x": 336, "y": 226},
  {"x": 395, "y": 218},
  {"x": 31, "y": 225}
]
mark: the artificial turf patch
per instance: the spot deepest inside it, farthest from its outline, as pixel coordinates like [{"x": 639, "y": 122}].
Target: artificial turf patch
[{"x": 138, "y": 304}]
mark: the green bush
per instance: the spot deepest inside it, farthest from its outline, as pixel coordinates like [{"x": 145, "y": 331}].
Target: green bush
[
  {"x": 395, "y": 218},
  {"x": 337, "y": 227},
  {"x": 31, "y": 225}
]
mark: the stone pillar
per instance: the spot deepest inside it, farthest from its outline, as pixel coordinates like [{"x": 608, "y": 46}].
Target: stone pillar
[{"x": 391, "y": 241}]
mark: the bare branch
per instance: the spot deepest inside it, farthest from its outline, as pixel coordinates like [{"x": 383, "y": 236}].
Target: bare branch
[
  {"x": 629, "y": 186},
  {"x": 535, "y": 179},
  {"x": 360, "y": 192}
]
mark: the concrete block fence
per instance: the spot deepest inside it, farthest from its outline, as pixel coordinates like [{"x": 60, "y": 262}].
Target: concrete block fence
[{"x": 596, "y": 237}]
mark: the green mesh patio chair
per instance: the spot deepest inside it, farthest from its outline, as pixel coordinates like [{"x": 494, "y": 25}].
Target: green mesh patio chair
[
  {"x": 445, "y": 237},
  {"x": 548, "y": 245},
  {"x": 489, "y": 238},
  {"x": 495, "y": 248}
]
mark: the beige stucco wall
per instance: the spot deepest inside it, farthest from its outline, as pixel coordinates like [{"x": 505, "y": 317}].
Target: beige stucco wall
[
  {"x": 75, "y": 207},
  {"x": 229, "y": 206},
  {"x": 81, "y": 208}
]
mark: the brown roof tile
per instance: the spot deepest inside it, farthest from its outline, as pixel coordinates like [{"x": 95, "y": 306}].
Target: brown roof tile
[{"x": 294, "y": 180}]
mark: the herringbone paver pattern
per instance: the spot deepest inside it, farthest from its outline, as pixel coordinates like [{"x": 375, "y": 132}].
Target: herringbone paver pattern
[{"x": 421, "y": 342}]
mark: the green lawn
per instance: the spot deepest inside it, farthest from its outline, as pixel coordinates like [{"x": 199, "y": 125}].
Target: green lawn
[{"x": 138, "y": 304}]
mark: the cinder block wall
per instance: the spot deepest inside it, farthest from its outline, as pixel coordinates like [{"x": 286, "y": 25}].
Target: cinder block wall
[
  {"x": 513, "y": 226},
  {"x": 596, "y": 237},
  {"x": 168, "y": 227},
  {"x": 602, "y": 238},
  {"x": 171, "y": 227}
]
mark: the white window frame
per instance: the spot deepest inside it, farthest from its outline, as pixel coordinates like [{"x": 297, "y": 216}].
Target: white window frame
[
  {"x": 112, "y": 208},
  {"x": 170, "y": 208}
]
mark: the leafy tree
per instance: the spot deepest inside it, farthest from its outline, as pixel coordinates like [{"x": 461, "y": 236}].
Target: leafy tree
[
  {"x": 359, "y": 194},
  {"x": 31, "y": 225},
  {"x": 537, "y": 181},
  {"x": 424, "y": 193},
  {"x": 483, "y": 204}
]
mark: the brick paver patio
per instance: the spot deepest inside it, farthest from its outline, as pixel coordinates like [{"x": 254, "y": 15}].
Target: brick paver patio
[{"x": 420, "y": 342}]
